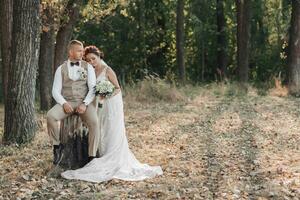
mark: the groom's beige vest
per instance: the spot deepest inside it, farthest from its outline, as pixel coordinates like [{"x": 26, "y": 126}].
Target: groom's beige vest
[{"x": 73, "y": 91}]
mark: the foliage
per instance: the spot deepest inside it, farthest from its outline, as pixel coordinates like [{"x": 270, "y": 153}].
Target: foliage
[{"x": 140, "y": 35}]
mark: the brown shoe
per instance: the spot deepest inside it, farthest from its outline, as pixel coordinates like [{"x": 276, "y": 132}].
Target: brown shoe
[{"x": 91, "y": 158}]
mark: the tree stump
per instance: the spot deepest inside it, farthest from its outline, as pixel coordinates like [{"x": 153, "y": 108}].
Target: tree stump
[{"x": 74, "y": 137}]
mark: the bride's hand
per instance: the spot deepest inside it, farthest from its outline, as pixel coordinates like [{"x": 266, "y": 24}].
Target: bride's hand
[
  {"x": 101, "y": 97},
  {"x": 117, "y": 90}
]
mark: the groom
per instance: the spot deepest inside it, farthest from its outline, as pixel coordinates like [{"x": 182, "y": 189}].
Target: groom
[{"x": 72, "y": 89}]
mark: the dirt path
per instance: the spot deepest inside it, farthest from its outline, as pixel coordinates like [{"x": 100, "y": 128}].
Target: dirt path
[{"x": 213, "y": 147}]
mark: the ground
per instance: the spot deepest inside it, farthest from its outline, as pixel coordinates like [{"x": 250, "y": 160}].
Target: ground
[{"x": 216, "y": 144}]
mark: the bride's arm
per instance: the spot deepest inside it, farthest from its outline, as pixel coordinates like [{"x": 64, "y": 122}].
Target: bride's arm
[{"x": 111, "y": 75}]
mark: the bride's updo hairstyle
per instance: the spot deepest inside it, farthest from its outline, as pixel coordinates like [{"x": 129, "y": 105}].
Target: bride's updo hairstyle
[{"x": 94, "y": 50}]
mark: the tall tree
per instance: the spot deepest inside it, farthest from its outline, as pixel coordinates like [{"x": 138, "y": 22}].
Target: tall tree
[
  {"x": 19, "y": 122},
  {"x": 180, "y": 40},
  {"x": 46, "y": 59},
  {"x": 243, "y": 36},
  {"x": 294, "y": 50},
  {"x": 259, "y": 41},
  {"x": 221, "y": 35},
  {"x": 6, "y": 18},
  {"x": 141, "y": 25},
  {"x": 64, "y": 34}
]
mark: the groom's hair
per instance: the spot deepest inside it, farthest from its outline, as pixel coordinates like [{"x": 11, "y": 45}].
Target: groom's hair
[{"x": 74, "y": 42}]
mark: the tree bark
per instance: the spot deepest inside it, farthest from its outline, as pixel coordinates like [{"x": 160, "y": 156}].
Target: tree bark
[
  {"x": 203, "y": 65},
  {"x": 142, "y": 23},
  {"x": 46, "y": 60},
  {"x": 20, "y": 125},
  {"x": 294, "y": 50},
  {"x": 6, "y": 18},
  {"x": 221, "y": 38},
  {"x": 243, "y": 36},
  {"x": 180, "y": 40},
  {"x": 65, "y": 31},
  {"x": 74, "y": 137}
]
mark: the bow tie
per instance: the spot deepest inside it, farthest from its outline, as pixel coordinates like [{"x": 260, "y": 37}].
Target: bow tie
[{"x": 74, "y": 63}]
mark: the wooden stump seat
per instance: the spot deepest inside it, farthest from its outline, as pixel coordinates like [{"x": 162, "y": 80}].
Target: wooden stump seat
[{"x": 74, "y": 137}]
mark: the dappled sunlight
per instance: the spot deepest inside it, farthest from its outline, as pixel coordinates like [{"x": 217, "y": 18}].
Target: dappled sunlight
[{"x": 221, "y": 146}]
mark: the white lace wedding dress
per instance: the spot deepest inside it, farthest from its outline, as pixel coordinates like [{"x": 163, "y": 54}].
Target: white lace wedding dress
[{"x": 117, "y": 161}]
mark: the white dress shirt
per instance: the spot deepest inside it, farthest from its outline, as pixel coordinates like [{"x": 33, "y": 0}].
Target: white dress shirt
[{"x": 74, "y": 75}]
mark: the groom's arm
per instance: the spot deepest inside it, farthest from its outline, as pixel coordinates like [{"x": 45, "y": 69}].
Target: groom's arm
[
  {"x": 57, "y": 87},
  {"x": 91, "y": 84}
]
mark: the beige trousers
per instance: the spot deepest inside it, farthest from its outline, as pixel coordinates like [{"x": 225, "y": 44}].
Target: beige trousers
[{"x": 56, "y": 114}]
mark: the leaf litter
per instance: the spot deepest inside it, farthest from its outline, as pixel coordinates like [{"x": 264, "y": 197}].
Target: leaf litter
[{"x": 210, "y": 147}]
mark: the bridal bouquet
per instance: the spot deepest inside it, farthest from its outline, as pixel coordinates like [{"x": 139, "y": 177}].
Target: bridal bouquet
[{"x": 104, "y": 88}]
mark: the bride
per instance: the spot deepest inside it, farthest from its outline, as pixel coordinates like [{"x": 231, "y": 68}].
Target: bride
[{"x": 117, "y": 161}]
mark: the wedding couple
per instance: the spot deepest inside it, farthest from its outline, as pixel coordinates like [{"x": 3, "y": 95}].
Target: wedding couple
[{"x": 74, "y": 93}]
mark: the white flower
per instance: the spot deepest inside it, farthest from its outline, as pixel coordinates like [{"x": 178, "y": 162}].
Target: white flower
[
  {"x": 82, "y": 74},
  {"x": 104, "y": 88}
]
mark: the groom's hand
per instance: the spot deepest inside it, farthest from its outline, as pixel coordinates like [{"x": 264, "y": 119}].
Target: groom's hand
[
  {"x": 67, "y": 108},
  {"x": 81, "y": 108}
]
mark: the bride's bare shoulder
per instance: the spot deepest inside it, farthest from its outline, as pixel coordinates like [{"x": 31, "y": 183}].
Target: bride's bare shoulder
[{"x": 110, "y": 70}]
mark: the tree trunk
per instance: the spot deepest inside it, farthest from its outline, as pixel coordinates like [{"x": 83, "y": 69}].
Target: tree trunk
[
  {"x": 65, "y": 31},
  {"x": 243, "y": 36},
  {"x": 294, "y": 50},
  {"x": 46, "y": 60},
  {"x": 180, "y": 40},
  {"x": 20, "y": 125},
  {"x": 74, "y": 137},
  {"x": 222, "y": 44},
  {"x": 6, "y": 18},
  {"x": 202, "y": 61},
  {"x": 141, "y": 21}
]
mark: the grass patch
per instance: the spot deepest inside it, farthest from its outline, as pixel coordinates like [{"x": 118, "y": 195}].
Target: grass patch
[
  {"x": 153, "y": 89},
  {"x": 8, "y": 150}
]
